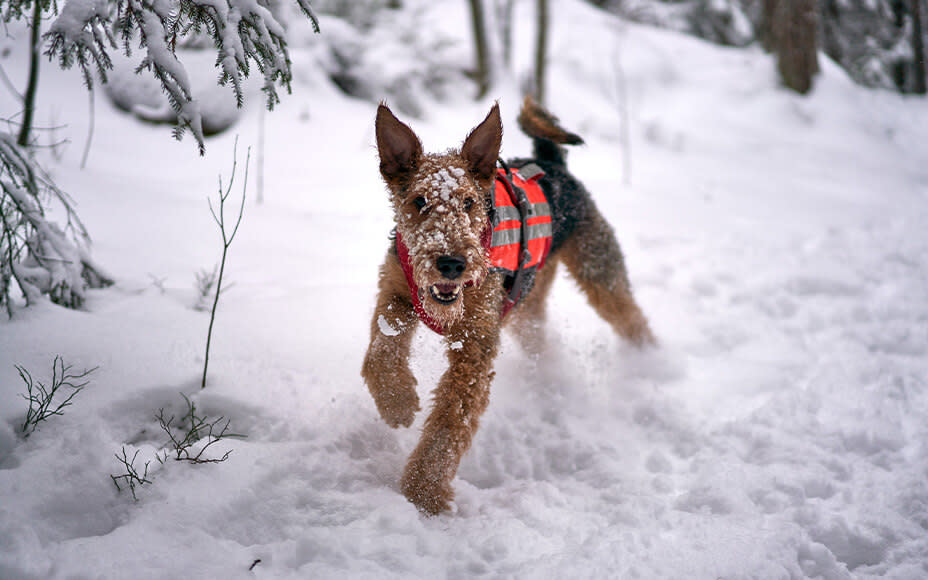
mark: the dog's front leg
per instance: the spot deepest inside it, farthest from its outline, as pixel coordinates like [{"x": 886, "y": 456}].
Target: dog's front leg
[
  {"x": 386, "y": 364},
  {"x": 460, "y": 399}
]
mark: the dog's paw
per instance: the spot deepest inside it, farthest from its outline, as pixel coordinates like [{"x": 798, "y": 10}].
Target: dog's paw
[
  {"x": 638, "y": 332},
  {"x": 394, "y": 391},
  {"x": 430, "y": 496},
  {"x": 644, "y": 338},
  {"x": 398, "y": 406}
]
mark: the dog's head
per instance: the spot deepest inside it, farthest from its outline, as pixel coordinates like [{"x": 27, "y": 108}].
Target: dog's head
[{"x": 440, "y": 206}]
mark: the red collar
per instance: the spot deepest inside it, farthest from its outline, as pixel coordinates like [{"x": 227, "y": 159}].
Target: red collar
[{"x": 402, "y": 252}]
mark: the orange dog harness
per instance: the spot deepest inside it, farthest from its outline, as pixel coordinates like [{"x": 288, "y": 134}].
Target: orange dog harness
[{"x": 521, "y": 221}]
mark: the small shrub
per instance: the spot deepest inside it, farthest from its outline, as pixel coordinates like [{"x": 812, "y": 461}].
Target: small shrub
[
  {"x": 206, "y": 286},
  {"x": 158, "y": 283},
  {"x": 131, "y": 477},
  {"x": 184, "y": 435},
  {"x": 189, "y": 430},
  {"x": 41, "y": 398}
]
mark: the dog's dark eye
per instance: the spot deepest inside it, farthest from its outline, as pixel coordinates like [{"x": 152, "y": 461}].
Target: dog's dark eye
[
  {"x": 419, "y": 202},
  {"x": 468, "y": 203}
]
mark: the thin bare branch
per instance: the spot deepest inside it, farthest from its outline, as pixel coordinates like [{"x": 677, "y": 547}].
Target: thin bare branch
[
  {"x": 190, "y": 430},
  {"x": 9, "y": 84},
  {"x": 226, "y": 242},
  {"x": 131, "y": 477},
  {"x": 41, "y": 398}
]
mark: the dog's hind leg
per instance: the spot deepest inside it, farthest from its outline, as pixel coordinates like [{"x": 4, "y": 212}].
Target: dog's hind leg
[
  {"x": 594, "y": 259},
  {"x": 386, "y": 365},
  {"x": 529, "y": 317}
]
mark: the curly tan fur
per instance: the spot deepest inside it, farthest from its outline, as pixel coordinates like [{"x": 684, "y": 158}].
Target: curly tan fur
[{"x": 440, "y": 209}]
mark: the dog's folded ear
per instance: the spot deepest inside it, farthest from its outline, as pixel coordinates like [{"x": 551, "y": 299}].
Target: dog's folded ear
[
  {"x": 400, "y": 149},
  {"x": 481, "y": 148}
]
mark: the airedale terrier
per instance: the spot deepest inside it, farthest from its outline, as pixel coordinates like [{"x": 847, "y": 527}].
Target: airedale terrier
[{"x": 439, "y": 270}]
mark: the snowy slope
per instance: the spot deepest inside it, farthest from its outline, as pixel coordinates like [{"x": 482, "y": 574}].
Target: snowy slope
[{"x": 777, "y": 243}]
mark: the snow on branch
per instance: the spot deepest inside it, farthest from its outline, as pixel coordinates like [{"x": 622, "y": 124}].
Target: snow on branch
[
  {"x": 38, "y": 255},
  {"x": 243, "y": 32}
]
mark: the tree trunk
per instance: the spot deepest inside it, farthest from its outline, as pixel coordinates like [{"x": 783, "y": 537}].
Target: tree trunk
[
  {"x": 541, "y": 51},
  {"x": 794, "y": 32},
  {"x": 765, "y": 28},
  {"x": 918, "y": 48},
  {"x": 29, "y": 98},
  {"x": 482, "y": 73},
  {"x": 504, "y": 18}
]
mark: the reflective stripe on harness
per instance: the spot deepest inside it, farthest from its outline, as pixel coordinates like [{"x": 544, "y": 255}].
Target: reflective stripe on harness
[{"x": 521, "y": 221}]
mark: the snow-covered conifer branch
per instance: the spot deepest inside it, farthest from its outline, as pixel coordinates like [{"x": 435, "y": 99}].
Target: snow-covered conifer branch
[
  {"x": 40, "y": 256},
  {"x": 89, "y": 39},
  {"x": 243, "y": 32}
]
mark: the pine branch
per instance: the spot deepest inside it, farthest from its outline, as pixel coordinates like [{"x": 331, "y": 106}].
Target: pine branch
[
  {"x": 40, "y": 256},
  {"x": 243, "y": 32}
]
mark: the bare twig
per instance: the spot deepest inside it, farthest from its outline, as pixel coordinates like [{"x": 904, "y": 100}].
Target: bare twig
[
  {"x": 131, "y": 477},
  {"x": 9, "y": 84},
  {"x": 54, "y": 144},
  {"x": 90, "y": 127},
  {"x": 192, "y": 428},
  {"x": 227, "y": 238},
  {"x": 259, "y": 190}
]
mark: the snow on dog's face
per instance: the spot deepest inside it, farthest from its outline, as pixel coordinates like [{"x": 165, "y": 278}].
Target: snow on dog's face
[{"x": 440, "y": 208}]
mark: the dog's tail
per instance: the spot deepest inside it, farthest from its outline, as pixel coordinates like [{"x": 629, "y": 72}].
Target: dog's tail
[{"x": 547, "y": 135}]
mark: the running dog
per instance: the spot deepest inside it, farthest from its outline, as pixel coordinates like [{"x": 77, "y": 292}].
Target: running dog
[{"x": 473, "y": 241}]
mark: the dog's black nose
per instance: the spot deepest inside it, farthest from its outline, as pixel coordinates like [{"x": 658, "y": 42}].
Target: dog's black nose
[{"x": 451, "y": 267}]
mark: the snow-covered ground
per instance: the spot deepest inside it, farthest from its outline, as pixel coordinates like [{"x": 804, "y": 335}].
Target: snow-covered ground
[{"x": 777, "y": 243}]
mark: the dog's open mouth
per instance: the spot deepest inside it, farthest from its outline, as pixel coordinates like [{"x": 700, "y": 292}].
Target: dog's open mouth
[{"x": 445, "y": 293}]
